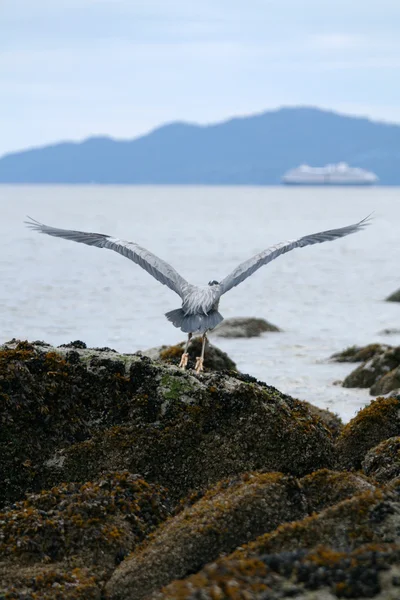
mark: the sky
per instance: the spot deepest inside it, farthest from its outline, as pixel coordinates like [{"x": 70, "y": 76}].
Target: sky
[{"x": 70, "y": 69}]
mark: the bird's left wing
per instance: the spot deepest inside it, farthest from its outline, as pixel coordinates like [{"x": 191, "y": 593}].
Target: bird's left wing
[
  {"x": 248, "y": 267},
  {"x": 158, "y": 268}
]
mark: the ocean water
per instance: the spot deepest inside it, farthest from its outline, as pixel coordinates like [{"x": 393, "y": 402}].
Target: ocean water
[{"x": 324, "y": 297}]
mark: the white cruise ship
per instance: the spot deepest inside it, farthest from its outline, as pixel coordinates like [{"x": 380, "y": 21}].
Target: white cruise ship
[{"x": 340, "y": 174}]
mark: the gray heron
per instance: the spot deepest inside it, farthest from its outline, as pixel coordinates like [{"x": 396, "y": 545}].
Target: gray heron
[{"x": 199, "y": 311}]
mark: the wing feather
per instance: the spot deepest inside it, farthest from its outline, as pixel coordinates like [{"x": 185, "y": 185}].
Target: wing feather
[
  {"x": 157, "y": 267},
  {"x": 248, "y": 267}
]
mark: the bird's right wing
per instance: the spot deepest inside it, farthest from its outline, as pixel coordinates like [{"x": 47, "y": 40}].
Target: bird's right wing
[
  {"x": 158, "y": 268},
  {"x": 248, "y": 267}
]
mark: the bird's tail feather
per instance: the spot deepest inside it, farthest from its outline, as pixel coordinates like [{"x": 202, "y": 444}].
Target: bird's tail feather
[{"x": 197, "y": 323}]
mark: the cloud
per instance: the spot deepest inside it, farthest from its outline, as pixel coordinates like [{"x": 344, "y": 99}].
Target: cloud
[{"x": 337, "y": 41}]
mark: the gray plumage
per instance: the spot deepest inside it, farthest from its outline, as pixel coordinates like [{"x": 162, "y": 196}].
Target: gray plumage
[{"x": 199, "y": 312}]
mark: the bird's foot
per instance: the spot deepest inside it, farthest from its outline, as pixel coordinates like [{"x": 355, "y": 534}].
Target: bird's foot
[
  {"x": 184, "y": 360},
  {"x": 199, "y": 364}
]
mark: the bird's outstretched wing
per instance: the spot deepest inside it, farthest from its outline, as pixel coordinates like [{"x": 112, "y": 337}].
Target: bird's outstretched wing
[
  {"x": 158, "y": 268},
  {"x": 248, "y": 267}
]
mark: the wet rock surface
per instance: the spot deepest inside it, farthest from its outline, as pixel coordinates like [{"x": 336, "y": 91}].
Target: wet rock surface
[
  {"x": 243, "y": 327},
  {"x": 360, "y": 353},
  {"x": 215, "y": 359},
  {"x": 372, "y": 425},
  {"x": 120, "y": 474},
  {"x": 395, "y": 297},
  {"x": 382, "y": 463},
  {"x": 229, "y": 515},
  {"x": 380, "y": 370}
]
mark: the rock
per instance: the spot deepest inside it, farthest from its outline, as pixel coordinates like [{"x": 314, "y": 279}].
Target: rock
[
  {"x": 360, "y": 353},
  {"x": 232, "y": 513},
  {"x": 325, "y": 488},
  {"x": 190, "y": 432},
  {"x": 94, "y": 525},
  {"x": 214, "y": 360},
  {"x": 52, "y": 398},
  {"x": 390, "y": 331},
  {"x": 382, "y": 462},
  {"x": 71, "y": 414},
  {"x": 395, "y": 297},
  {"x": 79, "y": 425},
  {"x": 331, "y": 420},
  {"x": 350, "y": 550},
  {"x": 243, "y": 327},
  {"x": 375, "y": 423},
  {"x": 388, "y": 383},
  {"x": 374, "y": 369},
  {"x": 48, "y": 582}
]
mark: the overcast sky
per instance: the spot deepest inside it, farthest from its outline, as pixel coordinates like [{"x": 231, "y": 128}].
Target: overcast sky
[{"x": 74, "y": 68}]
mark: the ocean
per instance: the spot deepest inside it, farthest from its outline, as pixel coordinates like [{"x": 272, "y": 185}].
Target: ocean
[{"x": 324, "y": 297}]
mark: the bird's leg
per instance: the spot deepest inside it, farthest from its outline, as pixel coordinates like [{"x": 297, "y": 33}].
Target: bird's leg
[
  {"x": 200, "y": 359},
  {"x": 185, "y": 355}
]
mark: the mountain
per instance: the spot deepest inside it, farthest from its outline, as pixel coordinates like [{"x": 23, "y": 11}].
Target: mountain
[{"x": 250, "y": 150}]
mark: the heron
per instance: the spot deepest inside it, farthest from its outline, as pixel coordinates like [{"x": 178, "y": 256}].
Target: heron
[{"x": 199, "y": 312}]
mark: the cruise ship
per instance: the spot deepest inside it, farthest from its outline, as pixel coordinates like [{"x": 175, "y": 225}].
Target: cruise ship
[{"x": 339, "y": 174}]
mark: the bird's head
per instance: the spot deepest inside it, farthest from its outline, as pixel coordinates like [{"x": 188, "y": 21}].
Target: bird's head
[{"x": 213, "y": 282}]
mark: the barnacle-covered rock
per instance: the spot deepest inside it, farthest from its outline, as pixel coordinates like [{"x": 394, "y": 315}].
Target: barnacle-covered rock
[
  {"x": 374, "y": 369},
  {"x": 359, "y": 353},
  {"x": 373, "y": 424},
  {"x": 86, "y": 526},
  {"x": 382, "y": 462},
  {"x": 388, "y": 383},
  {"x": 325, "y": 488},
  {"x": 39, "y": 581},
  {"x": 69, "y": 414},
  {"x": 50, "y": 398},
  {"x": 331, "y": 420},
  {"x": 319, "y": 574},
  {"x": 214, "y": 358},
  {"x": 97, "y": 519},
  {"x": 351, "y": 550},
  {"x": 230, "y": 514},
  {"x": 192, "y": 432}
]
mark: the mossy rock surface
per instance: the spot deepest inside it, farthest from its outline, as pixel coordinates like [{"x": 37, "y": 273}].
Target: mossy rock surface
[
  {"x": 90, "y": 527},
  {"x": 373, "y": 424},
  {"x": 388, "y": 383},
  {"x": 331, "y": 420},
  {"x": 243, "y": 327},
  {"x": 360, "y": 353},
  {"x": 350, "y": 550},
  {"x": 325, "y": 488},
  {"x": 123, "y": 457},
  {"x": 49, "y": 582},
  {"x": 228, "y": 515},
  {"x": 96, "y": 519},
  {"x": 50, "y": 398},
  {"x": 214, "y": 358},
  {"x": 373, "y": 370},
  {"x": 371, "y": 571},
  {"x": 382, "y": 462},
  {"x": 191, "y": 432}
]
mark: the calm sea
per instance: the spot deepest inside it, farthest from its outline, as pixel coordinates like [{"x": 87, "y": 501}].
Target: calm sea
[{"x": 325, "y": 297}]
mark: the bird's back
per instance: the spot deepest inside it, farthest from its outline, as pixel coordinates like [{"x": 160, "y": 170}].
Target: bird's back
[{"x": 201, "y": 299}]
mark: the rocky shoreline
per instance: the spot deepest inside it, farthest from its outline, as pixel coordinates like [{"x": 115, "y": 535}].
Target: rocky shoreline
[
  {"x": 123, "y": 477},
  {"x": 379, "y": 369}
]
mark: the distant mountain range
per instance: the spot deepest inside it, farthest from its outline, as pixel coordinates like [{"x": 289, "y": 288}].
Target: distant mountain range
[{"x": 249, "y": 150}]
